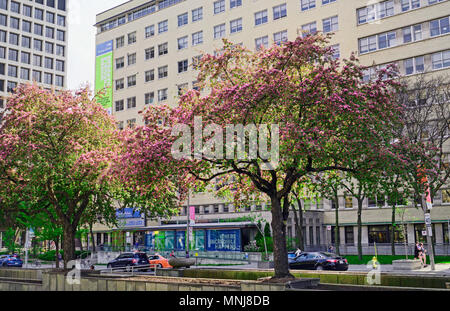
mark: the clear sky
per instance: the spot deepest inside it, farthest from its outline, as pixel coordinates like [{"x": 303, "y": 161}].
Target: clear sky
[{"x": 81, "y": 45}]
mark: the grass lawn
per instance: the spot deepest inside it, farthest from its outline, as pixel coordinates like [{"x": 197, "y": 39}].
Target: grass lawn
[{"x": 387, "y": 259}]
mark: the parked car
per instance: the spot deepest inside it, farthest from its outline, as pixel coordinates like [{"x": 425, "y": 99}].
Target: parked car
[
  {"x": 159, "y": 261},
  {"x": 318, "y": 261},
  {"x": 128, "y": 260},
  {"x": 11, "y": 261}
]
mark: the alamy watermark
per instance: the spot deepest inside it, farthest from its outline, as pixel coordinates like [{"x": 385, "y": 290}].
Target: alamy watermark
[
  {"x": 374, "y": 275},
  {"x": 242, "y": 143}
]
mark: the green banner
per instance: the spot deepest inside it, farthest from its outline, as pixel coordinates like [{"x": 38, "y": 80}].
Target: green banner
[{"x": 104, "y": 73}]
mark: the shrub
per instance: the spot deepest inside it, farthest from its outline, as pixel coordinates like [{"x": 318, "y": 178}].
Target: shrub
[{"x": 251, "y": 247}]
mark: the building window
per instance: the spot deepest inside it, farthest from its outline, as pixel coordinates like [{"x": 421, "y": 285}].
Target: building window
[
  {"x": 162, "y": 95},
  {"x": 37, "y": 76},
  {"x": 12, "y": 71},
  {"x": 149, "y": 31},
  {"x": 349, "y": 235},
  {"x": 10, "y": 86},
  {"x": 25, "y": 73},
  {"x": 38, "y": 14},
  {"x": 26, "y": 26},
  {"x": 48, "y": 63},
  {"x": 261, "y": 17},
  {"x": 279, "y": 11},
  {"x": 183, "y": 43},
  {"x": 163, "y": 26},
  {"x": 120, "y": 62},
  {"x": 219, "y": 6},
  {"x": 13, "y": 55},
  {"x": 409, "y": 5},
  {"x": 307, "y": 4},
  {"x": 197, "y": 14},
  {"x": 131, "y": 102},
  {"x": 120, "y": 105},
  {"x": 59, "y": 81},
  {"x": 14, "y": 22},
  {"x": 120, "y": 125},
  {"x": 60, "y": 35},
  {"x": 149, "y": 98},
  {"x": 330, "y": 24},
  {"x": 131, "y": 59},
  {"x": 379, "y": 234},
  {"x": 262, "y": 42},
  {"x": 368, "y": 44},
  {"x": 348, "y": 201},
  {"x": 14, "y": 38},
  {"x": 25, "y": 58},
  {"x": 235, "y": 3},
  {"x": 196, "y": 61},
  {"x": 440, "y": 60},
  {"x": 280, "y": 37},
  {"x": 26, "y": 10},
  {"x": 446, "y": 196},
  {"x": 414, "y": 65},
  {"x": 132, "y": 37},
  {"x": 309, "y": 29},
  {"x": 197, "y": 38},
  {"x": 375, "y": 11},
  {"x": 120, "y": 42},
  {"x": 386, "y": 40},
  {"x": 149, "y": 53},
  {"x": 163, "y": 49},
  {"x": 50, "y": 17},
  {"x": 61, "y": 20},
  {"x": 120, "y": 84},
  {"x": 37, "y": 60},
  {"x": 412, "y": 33},
  {"x": 131, "y": 81},
  {"x": 60, "y": 50},
  {"x": 149, "y": 75},
  {"x": 219, "y": 31},
  {"x": 420, "y": 229},
  {"x": 236, "y": 25},
  {"x": 163, "y": 72},
  {"x": 48, "y": 78},
  {"x": 327, "y": 1},
  {"x": 183, "y": 19},
  {"x": 131, "y": 123},
  {"x": 183, "y": 66},
  {"x": 182, "y": 88},
  {"x": 439, "y": 26}
]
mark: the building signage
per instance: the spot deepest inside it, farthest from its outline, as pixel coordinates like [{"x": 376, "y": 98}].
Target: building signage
[
  {"x": 104, "y": 73},
  {"x": 131, "y": 222},
  {"x": 128, "y": 213}
]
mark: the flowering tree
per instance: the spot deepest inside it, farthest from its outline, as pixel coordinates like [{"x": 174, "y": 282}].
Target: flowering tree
[
  {"x": 55, "y": 153},
  {"x": 324, "y": 113}
]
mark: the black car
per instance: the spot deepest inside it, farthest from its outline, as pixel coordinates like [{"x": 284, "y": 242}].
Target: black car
[
  {"x": 127, "y": 260},
  {"x": 318, "y": 261}
]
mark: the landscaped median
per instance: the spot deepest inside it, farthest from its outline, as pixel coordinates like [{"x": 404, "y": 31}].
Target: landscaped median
[{"x": 327, "y": 277}]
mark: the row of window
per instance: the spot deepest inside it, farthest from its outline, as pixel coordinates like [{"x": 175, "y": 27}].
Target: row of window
[
  {"x": 388, "y": 8},
  {"x": 28, "y": 74},
  {"x": 414, "y": 65},
  {"x": 311, "y": 4},
  {"x": 38, "y": 45},
  {"x": 38, "y": 29},
  {"x": 35, "y": 59},
  {"x": 38, "y": 76},
  {"x": 38, "y": 60},
  {"x": 404, "y": 35},
  {"x": 27, "y": 11}
]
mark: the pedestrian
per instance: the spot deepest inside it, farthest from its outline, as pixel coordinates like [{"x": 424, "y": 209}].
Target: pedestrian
[
  {"x": 187, "y": 254},
  {"x": 423, "y": 255},
  {"x": 172, "y": 254},
  {"x": 330, "y": 249},
  {"x": 417, "y": 251},
  {"x": 298, "y": 252}
]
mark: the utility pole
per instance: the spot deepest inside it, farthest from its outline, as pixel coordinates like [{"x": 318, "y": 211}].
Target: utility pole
[
  {"x": 188, "y": 214},
  {"x": 427, "y": 209}
]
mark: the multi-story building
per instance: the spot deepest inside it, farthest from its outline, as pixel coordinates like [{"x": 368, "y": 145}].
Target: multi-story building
[
  {"x": 152, "y": 45},
  {"x": 33, "y": 44}
]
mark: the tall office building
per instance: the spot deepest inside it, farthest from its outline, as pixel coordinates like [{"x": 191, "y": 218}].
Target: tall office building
[
  {"x": 145, "y": 51},
  {"x": 33, "y": 44}
]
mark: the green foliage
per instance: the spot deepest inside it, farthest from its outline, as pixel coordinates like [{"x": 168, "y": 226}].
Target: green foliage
[
  {"x": 9, "y": 240},
  {"x": 387, "y": 259},
  {"x": 50, "y": 255},
  {"x": 237, "y": 219},
  {"x": 267, "y": 232}
]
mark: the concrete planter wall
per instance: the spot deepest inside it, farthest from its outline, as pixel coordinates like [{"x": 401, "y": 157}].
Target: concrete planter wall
[
  {"x": 406, "y": 264},
  {"x": 265, "y": 265}
]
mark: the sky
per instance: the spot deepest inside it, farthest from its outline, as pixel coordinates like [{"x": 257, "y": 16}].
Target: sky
[{"x": 81, "y": 45}]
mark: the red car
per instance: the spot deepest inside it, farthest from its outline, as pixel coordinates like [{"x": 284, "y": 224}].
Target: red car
[{"x": 159, "y": 261}]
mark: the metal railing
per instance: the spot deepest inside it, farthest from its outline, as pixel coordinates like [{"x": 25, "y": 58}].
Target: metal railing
[{"x": 131, "y": 269}]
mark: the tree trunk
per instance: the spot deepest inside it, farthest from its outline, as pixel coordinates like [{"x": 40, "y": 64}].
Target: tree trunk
[
  {"x": 393, "y": 230},
  {"x": 57, "y": 252},
  {"x": 92, "y": 238},
  {"x": 279, "y": 240},
  {"x": 298, "y": 219},
  {"x": 337, "y": 235},
  {"x": 69, "y": 243},
  {"x": 360, "y": 202}
]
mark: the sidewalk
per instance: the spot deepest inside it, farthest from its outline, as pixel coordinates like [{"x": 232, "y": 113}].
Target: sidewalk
[{"x": 440, "y": 270}]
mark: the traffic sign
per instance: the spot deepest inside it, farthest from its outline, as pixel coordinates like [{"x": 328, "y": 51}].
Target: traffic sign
[{"x": 428, "y": 219}]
